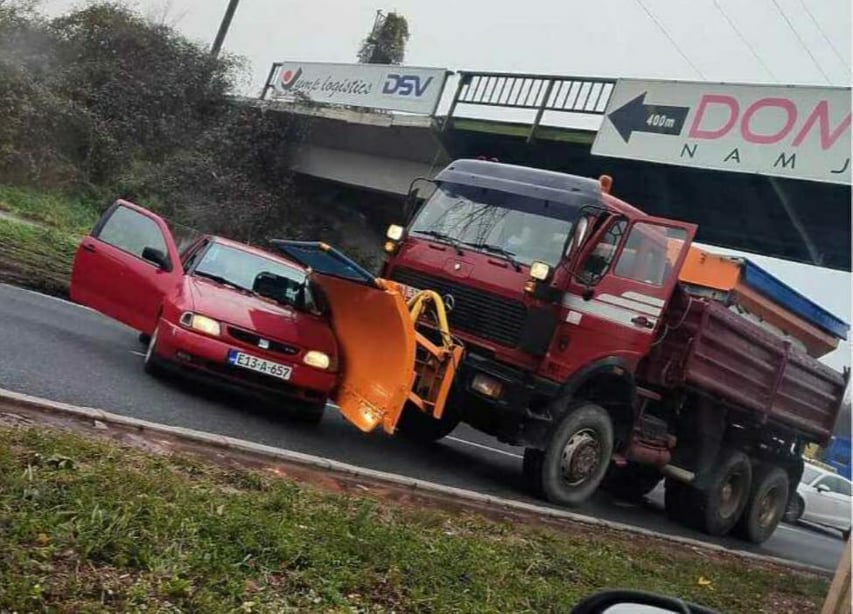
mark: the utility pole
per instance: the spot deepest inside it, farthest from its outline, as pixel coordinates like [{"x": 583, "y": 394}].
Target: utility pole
[{"x": 223, "y": 27}]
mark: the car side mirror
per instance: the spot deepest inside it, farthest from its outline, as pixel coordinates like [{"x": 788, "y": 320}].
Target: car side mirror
[
  {"x": 156, "y": 257},
  {"x": 822, "y": 488}
]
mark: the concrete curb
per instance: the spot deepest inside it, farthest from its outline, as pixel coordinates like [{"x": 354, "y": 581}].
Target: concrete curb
[{"x": 12, "y": 401}]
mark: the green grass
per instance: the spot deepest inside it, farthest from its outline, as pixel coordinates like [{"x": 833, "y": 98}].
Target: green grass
[
  {"x": 38, "y": 237},
  {"x": 90, "y": 526}
]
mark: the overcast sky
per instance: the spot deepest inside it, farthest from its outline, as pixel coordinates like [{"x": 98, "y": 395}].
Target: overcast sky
[{"x": 757, "y": 41}]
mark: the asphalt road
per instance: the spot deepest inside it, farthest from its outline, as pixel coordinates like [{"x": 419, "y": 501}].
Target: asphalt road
[{"x": 60, "y": 351}]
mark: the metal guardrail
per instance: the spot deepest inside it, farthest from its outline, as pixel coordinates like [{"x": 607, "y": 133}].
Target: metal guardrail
[{"x": 586, "y": 95}]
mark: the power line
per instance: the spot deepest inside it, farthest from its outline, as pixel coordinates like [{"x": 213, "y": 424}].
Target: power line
[
  {"x": 745, "y": 40},
  {"x": 802, "y": 42},
  {"x": 671, "y": 40},
  {"x": 825, "y": 37}
]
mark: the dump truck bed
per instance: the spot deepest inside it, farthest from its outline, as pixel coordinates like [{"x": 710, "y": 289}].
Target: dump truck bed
[{"x": 709, "y": 349}]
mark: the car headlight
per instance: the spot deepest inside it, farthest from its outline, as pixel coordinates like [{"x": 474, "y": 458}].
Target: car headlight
[
  {"x": 320, "y": 360},
  {"x": 540, "y": 271},
  {"x": 201, "y": 323}
]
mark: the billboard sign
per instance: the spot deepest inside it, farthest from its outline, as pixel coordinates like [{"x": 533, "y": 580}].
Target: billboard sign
[
  {"x": 375, "y": 86},
  {"x": 787, "y": 131}
]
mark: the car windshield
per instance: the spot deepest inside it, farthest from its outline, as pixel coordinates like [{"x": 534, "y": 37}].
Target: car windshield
[
  {"x": 519, "y": 227},
  {"x": 253, "y": 273}
]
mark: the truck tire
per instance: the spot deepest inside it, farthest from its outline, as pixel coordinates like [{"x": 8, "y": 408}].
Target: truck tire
[
  {"x": 577, "y": 456},
  {"x": 631, "y": 482},
  {"x": 418, "y": 427},
  {"x": 766, "y": 505},
  {"x": 716, "y": 509}
]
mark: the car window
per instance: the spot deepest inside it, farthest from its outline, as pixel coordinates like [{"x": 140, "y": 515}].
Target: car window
[
  {"x": 809, "y": 474},
  {"x": 132, "y": 232},
  {"x": 843, "y": 487},
  {"x": 834, "y": 483}
]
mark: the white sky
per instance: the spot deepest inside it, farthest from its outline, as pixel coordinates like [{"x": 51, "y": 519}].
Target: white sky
[{"x": 723, "y": 40}]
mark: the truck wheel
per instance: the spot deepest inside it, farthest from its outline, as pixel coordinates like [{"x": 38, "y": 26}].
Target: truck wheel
[
  {"x": 578, "y": 454},
  {"x": 716, "y": 509},
  {"x": 795, "y": 509},
  {"x": 417, "y": 426},
  {"x": 631, "y": 482},
  {"x": 765, "y": 506}
]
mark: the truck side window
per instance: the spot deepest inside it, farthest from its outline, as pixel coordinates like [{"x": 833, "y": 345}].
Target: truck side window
[
  {"x": 598, "y": 262},
  {"x": 650, "y": 253}
]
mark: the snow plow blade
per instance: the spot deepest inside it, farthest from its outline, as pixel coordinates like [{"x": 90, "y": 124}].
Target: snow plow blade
[{"x": 386, "y": 363}]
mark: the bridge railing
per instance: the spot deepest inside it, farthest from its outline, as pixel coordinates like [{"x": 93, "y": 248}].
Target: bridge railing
[{"x": 562, "y": 94}]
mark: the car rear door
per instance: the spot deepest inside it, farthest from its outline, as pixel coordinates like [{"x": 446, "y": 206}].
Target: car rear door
[{"x": 110, "y": 274}]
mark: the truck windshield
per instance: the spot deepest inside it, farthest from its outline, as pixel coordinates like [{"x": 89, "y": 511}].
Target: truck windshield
[{"x": 523, "y": 228}]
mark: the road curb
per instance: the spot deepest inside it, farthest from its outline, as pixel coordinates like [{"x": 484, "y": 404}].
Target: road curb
[{"x": 13, "y": 401}]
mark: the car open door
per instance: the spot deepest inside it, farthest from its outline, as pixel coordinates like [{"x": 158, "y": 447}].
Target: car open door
[{"x": 126, "y": 265}]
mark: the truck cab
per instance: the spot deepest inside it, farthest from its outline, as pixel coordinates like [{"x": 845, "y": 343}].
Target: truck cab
[{"x": 549, "y": 281}]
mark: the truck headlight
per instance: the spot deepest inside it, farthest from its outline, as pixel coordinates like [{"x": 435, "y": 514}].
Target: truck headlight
[
  {"x": 319, "y": 360},
  {"x": 201, "y": 323},
  {"x": 394, "y": 232},
  {"x": 540, "y": 271}
]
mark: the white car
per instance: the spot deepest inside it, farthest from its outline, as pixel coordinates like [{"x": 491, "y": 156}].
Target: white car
[{"x": 823, "y": 497}]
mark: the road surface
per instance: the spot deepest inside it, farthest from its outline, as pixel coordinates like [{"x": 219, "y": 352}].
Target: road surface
[{"x": 60, "y": 351}]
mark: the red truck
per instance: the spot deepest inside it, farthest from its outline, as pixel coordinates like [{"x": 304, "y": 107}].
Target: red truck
[{"x": 582, "y": 346}]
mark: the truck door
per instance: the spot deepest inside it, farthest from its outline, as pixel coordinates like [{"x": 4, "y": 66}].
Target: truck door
[
  {"x": 621, "y": 287},
  {"x": 126, "y": 265}
]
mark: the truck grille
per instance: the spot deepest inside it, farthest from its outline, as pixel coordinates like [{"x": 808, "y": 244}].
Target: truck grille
[{"x": 475, "y": 312}]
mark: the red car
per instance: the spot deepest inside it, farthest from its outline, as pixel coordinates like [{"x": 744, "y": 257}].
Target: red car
[{"x": 237, "y": 314}]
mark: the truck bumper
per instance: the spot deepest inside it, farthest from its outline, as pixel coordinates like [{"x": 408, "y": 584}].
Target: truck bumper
[{"x": 504, "y": 414}]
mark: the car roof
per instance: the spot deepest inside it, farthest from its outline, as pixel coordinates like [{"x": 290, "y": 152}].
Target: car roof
[{"x": 257, "y": 251}]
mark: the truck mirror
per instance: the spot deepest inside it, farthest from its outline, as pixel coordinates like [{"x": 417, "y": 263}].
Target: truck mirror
[{"x": 578, "y": 235}]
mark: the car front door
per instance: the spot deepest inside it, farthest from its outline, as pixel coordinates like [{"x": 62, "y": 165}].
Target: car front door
[
  {"x": 821, "y": 504},
  {"x": 126, "y": 265}
]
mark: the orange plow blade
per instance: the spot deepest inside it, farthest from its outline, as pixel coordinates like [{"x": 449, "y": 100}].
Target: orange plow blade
[{"x": 386, "y": 364}]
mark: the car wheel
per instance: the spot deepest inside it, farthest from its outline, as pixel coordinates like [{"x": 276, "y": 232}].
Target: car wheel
[
  {"x": 795, "y": 509},
  {"x": 846, "y": 534},
  {"x": 768, "y": 499},
  {"x": 152, "y": 365},
  {"x": 144, "y": 339},
  {"x": 577, "y": 455}
]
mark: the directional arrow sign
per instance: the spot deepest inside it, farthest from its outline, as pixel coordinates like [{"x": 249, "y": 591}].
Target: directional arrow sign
[{"x": 637, "y": 116}]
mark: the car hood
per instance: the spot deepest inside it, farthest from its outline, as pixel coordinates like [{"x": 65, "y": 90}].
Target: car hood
[{"x": 266, "y": 318}]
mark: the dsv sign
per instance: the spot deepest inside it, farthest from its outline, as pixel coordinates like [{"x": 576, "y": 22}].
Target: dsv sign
[{"x": 405, "y": 85}]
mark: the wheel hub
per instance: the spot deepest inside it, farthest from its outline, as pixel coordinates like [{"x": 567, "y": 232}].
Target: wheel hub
[
  {"x": 768, "y": 507},
  {"x": 731, "y": 494},
  {"x": 580, "y": 457}
]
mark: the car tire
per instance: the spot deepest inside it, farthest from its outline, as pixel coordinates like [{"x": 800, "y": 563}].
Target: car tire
[
  {"x": 795, "y": 509},
  {"x": 846, "y": 533},
  {"x": 766, "y": 505},
  {"x": 578, "y": 455},
  {"x": 716, "y": 509},
  {"x": 418, "y": 427},
  {"x": 151, "y": 364},
  {"x": 631, "y": 482},
  {"x": 144, "y": 339}
]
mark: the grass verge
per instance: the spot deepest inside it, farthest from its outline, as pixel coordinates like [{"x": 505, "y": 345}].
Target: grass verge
[
  {"x": 39, "y": 233},
  {"x": 88, "y": 525}
]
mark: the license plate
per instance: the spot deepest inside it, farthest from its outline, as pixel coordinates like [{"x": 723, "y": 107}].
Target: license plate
[{"x": 253, "y": 363}]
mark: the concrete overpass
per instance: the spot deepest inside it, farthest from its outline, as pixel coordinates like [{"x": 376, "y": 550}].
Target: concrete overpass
[{"x": 381, "y": 152}]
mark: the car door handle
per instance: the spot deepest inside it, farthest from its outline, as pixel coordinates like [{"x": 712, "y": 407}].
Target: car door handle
[
  {"x": 642, "y": 321},
  {"x": 89, "y": 247}
]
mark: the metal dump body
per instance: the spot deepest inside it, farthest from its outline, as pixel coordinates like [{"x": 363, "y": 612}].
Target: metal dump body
[{"x": 709, "y": 349}]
